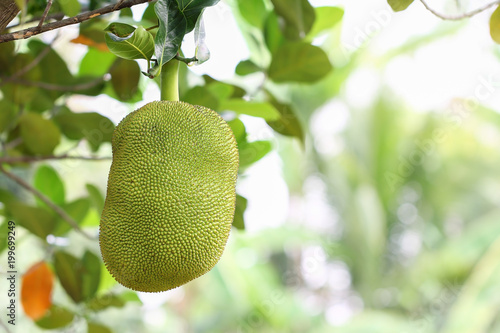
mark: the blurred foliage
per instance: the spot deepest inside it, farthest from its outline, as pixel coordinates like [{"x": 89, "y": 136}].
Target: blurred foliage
[{"x": 393, "y": 223}]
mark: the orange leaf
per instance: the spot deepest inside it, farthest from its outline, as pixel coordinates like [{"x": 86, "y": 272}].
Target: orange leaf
[
  {"x": 81, "y": 39},
  {"x": 36, "y": 290}
]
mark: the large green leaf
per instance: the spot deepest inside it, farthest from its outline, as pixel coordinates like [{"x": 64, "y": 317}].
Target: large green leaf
[
  {"x": 47, "y": 181},
  {"x": 246, "y": 67},
  {"x": 70, "y": 7},
  {"x": 238, "y": 129},
  {"x": 97, "y": 328},
  {"x": 104, "y": 301},
  {"x": 326, "y": 18},
  {"x": 96, "y": 198},
  {"x": 256, "y": 109},
  {"x": 251, "y": 152},
  {"x": 128, "y": 42},
  {"x": 53, "y": 68},
  {"x": 241, "y": 205},
  {"x": 16, "y": 92},
  {"x": 56, "y": 317},
  {"x": 298, "y": 15},
  {"x": 300, "y": 62},
  {"x": 200, "y": 95},
  {"x": 92, "y": 126},
  {"x": 125, "y": 78},
  {"x": 254, "y": 12},
  {"x": 176, "y": 18},
  {"x": 288, "y": 124},
  {"x": 68, "y": 270},
  {"x": 91, "y": 274},
  {"x": 495, "y": 25},
  {"x": 272, "y": 32},
  {"x": 399, "y": 5},
  {"x": 96, "y": 63},
  {"x": 39, "y": 135},
  {"x": 77, "y": 209},
  {"x": 36, "y": 220}
]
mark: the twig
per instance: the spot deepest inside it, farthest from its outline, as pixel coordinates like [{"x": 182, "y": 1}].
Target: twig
[
  {"x": 461, "y": 16},
  {"x": 45, "y": 13},
  {"x": 27, "y": 159},
  {"x": 27, "y": 33},
  {"x": 55, "y": 16},
  {"x": 47, "y": 201},
  {"x": 57, "y": 87}
]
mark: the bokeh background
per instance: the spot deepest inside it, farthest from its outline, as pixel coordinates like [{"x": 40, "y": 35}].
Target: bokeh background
[{"x": 378, "y": 211}]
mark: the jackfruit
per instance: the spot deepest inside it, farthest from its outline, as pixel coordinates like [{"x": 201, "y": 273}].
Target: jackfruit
[{"x": 171, "y": 195}]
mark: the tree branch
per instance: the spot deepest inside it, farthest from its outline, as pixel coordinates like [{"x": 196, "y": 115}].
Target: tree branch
[
  {"x": 461, "y": 16},
  {"x": 27, "y": 33},
  {"x": 45, "y": 13},
  {"x": 27, "y": 159},
  {"x": 55, "y": 16},
  {"x": 59, "y": 211},
  {"x": 8, "y": 11}
]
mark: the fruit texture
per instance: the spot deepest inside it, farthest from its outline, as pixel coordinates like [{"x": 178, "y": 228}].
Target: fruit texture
[{"x": 171, "y": 195}]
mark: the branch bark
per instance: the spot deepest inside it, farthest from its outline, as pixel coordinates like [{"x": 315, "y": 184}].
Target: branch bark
[
  {"x": 8, "y": 11},
  {"x": 27, "y": 33}
]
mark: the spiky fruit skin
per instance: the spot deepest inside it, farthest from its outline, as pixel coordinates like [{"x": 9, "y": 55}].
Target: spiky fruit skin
[{"x": 171, "y": 196}]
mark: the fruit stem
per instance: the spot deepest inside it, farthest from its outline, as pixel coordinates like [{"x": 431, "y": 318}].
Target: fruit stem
[{"x": 169, "y": 81}]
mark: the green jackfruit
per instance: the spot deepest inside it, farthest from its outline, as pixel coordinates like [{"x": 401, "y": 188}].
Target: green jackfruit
[{"x": 171, "y": 195}]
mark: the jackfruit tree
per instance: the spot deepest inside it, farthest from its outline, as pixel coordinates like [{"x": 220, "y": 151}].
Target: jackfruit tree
[{"x": 227, "y": 166}]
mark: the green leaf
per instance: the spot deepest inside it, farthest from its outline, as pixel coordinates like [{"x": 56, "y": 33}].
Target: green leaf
[
  {"x": 19, "y": 93},
  {"x": 326, "y": 18},
  {"x": 238, "y": 129},
  {"x": 200, "y": 95},
  {"x": 272, "y": 33},
  {"x": 246, "y": 67},
  {"x": 125, "y": 79},
  {"x": 68, "y": 270},
  {"x": 96, "y": 63},
  {"x": 53, "y": 69},
  {"x": 96, "y": 198},
  {"x": 253, "y": 12},
  {"x": 47, "y": 181},
  {"x": 36, "y": 220},
  {"x": 288, "y": 124},
  {"x": 299, "y": 62},
  {"x": 91, "y": 274},
  {"x": 92, "y": 126},
  {"x": 241, "y": 205},
  {"x": 399, "y": 5},
  {"x": 39, "y": 135},
  {"x": 127, "y": 42},
  {"x": 97, "y": 328},
  {"x": 70, "y": 7},
  {"x": 298, "y": 15},
  {"x": 104, "y": 301},
  {"x": 77, "y": 209},
  {"x": 56, "y": 317},
  {"x": 251, "y": 152},
  {"x": 176, "y": 18},
  {"x": 256, "y": 109},
  {"x": 495, "y": 25},
  {"x": 7, "y": 114}
]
